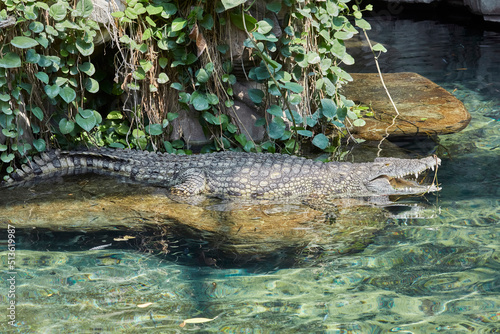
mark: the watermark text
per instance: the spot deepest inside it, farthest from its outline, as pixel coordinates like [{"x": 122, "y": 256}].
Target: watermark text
[{"x": 11, "y": 273}]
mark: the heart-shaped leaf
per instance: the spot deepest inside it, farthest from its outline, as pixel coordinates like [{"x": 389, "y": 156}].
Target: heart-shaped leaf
[
  {"x": 9, "y": 133},
  {"x": 91, "y": 85},
  {"x": 199, "y": 101},
  {"x": 274, "y": 6},
  {"x": 86, "y": 123},
  {"x": 10, "y": 60},
  {"x": 85, "y": 113},
  {"x": 265, "y": 26},
  {"x": 256, "y": 95},
  {"x": 202, "y": 75},
  {"x": 178, "y": 24},
  {"x": 68, "y": 94},
  {"x": 44, "y": 61},
  {"x": 228, "y": 4},
  {"x": 51, "y": 90},
  {"x": 51, "y": 30},
  {"x": 277, "y": 128},
  {"x": 58, "y": 11},
  {"x": 86, "y": 49},
  {"x": 43, "y": 77},
  {"x": 320, "y": 141},
  {"x": 379, "y": 47},
  {"x": 39, "y": 144},
  {"x": 66, "y": 126},
  {"x": 275, "y": 110},
  {"x": 145, "y": 64},
  {"x": 87, "y": 68},
  {"x": 32, "y": 56},
  {"x": 7, "y": 157},
  {"x": 98, "y": 117},
  {"x": 305, "y": 133},
  {"x": 294, "y": 87},
  {"x": 38, "y": 113},
  {"x": 36, "y": 26},
  {"x": 154, "y": 129},
  {"x": 42, "y": 40},
  {"x": 329, "y": 108},
  {"x": 114, "y": 115},
  {"x": 162, "y": 78},
  {"x": 84, "y": 8},
  {"x": 154, "y": 10}
]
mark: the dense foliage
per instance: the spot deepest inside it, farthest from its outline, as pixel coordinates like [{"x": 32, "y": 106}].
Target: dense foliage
[{"x": 61, "y": 86}]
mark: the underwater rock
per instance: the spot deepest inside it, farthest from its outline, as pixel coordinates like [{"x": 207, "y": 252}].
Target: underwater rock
[
  {"x": 231, "y": 231},
  {"x": 425, "y": 108}
]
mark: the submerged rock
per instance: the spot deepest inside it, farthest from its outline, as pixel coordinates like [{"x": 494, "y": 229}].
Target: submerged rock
[
  {"x": 225, "y": 232},
  {"x": 425, "y": 108}
]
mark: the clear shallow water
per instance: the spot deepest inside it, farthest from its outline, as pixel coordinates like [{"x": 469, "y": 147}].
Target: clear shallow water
[{"x": 432, "y": 275}]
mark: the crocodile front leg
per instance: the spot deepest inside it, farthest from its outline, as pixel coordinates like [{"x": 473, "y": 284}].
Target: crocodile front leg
[{"x": 189, "y": 182}]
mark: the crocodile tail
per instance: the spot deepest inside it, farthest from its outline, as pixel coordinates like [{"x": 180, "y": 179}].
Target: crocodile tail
[{"x": 58, "y": 163}]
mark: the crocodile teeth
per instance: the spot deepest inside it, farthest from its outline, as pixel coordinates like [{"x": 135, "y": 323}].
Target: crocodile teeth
[
  {"x": 416, "y": 175},
  {"x": 432, "y": 167}
]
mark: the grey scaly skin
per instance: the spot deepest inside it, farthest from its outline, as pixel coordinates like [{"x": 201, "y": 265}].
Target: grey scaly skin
[{"x": 236, "y": 174}]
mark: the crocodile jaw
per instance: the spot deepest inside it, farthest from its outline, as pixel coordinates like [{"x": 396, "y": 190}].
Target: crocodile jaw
[
  {"x": 387, "y": 185},
  {"x": 395, "y": 177}
]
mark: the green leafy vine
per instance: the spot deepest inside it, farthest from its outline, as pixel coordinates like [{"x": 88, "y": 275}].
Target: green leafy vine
[{"x": 68, "y": 78}]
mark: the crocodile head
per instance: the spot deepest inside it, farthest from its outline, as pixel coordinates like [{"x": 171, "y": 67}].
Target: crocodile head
[{"x": 392, "y": 176}]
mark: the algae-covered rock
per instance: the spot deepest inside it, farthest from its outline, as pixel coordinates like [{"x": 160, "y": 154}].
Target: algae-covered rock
[
  {"x": 232, "y": 230},
  {"x": 425, "y": 108}
]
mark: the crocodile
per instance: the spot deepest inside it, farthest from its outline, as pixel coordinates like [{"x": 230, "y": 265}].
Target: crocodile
[{"x": 237, "y": 174}]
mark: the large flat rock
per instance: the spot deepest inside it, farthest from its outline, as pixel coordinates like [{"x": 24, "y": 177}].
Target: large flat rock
[
  {"x": 92, "y": 204},
  {"x": 425, "y": 108}
]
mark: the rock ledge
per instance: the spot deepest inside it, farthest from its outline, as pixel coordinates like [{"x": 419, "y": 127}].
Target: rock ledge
[{"x": 426, "y": 109}]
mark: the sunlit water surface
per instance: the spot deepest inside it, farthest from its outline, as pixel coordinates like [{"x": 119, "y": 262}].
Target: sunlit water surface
[{"x": 438, "y": 274}]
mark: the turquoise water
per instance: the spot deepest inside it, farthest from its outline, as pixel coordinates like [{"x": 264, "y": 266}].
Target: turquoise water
[{"x": 438, "y": 274}]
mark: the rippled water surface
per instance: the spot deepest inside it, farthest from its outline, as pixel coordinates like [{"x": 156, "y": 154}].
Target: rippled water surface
[{"x": 416, "y": 275}]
